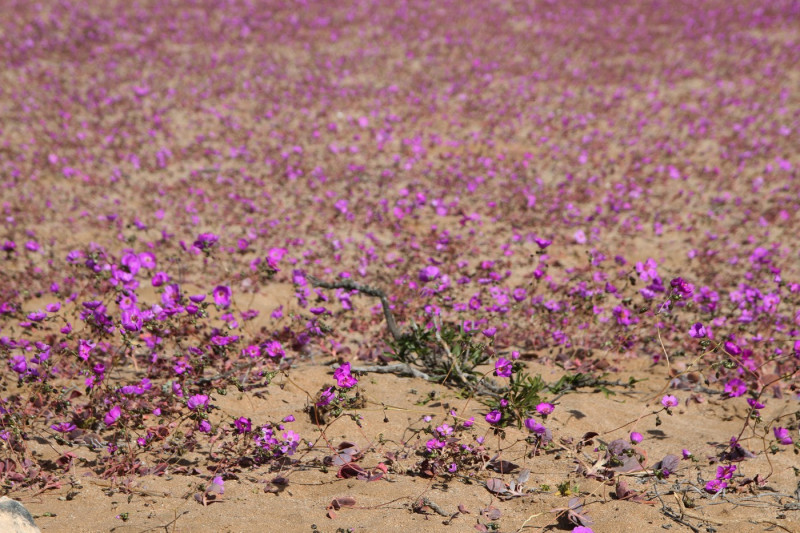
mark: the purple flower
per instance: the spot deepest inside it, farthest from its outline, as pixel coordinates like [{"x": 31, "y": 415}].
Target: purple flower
[
  {"x": 435, "y": 444},
  {"x": 732, "y": 348},
  {"x": 444, "y": 430},
  {"x": 220, "y": 340},
  {"x": 63, "y": 427},
  {"x": 243, "y": 425},
  {"x": 131, "y": 320},
  {"x": 37, "y": 316},
  {"x": 204, "y": 426},
  {"x": 198, "y": 401},
  {"x": 489, "y": 332},
  {"x": 715, "y": 485},
  {"x": 682, "y": 287},
  {"x": 343, "y": 377},
  {"x": 648, "y": 269},
  {"x": 582, "y": 529},
  {"x": 127, "y": 301},
  {"x": 725, "y": 472},
  {"x": 755, "y": 404},
  {"x": 782, "y": 434},
  {"x": 325, "y": 397},
  {"x": 147, "y": 260},
  {"x": 698, "y": 331},
  {"x": 542, "y": 243},
  {"x": 545, "y": 408},
  {"x": 159, "y": 278},
  {"x": 519, "y": 294},
  {"x": 205, "y": 241},
  {"x": 735, "y": 387},
  {"x": 274, "y": 349},
  {"x": 669, "y": 401},
  {"x": 19, "y": 364},
  {"x": 222, "y": 296},
  {"x": 171, "y": 295},
  {"x": 131, "y": 262},
  {"x": 503, "y": 368},
  {"x": 494, "y": 417},
  {"x": 252, "y": 351},
  {"x": 636, "y": 437},
  {"x": 290, "y": 442},
  {"x": 429, "y": 273},
  {"x": 112, "y": 415},
  {"x": 535, "y": 426},
  {"x": 217, "y": 485},
  {"x": 84, "y": 349}
]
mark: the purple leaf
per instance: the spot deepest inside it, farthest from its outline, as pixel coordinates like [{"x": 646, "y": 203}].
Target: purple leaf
[{"x": 496, "y": 485}]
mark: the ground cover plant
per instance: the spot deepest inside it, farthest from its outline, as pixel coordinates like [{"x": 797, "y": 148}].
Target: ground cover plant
[{"x": 368, "y": 266}]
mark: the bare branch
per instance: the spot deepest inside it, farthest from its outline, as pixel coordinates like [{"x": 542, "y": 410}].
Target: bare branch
[{"x": 365, "y": 289}]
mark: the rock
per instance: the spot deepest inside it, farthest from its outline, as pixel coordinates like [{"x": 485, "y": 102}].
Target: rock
[{"x": 14, "y": 518}]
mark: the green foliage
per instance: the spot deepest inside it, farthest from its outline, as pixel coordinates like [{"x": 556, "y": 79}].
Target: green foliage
[
  {"x": 522, "y": 395},
  {"x": 446, "y": 353}
]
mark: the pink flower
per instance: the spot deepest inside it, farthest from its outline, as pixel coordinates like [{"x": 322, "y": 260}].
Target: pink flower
[
  {"x": 494, "y": 417},
  {"x": 252, "y": 351},
  {"x": 435, "y": 444},
  {"x": 725, "y": 472},
  {"x": 159, "y": 278},
  {"x": 274, "y": 349},
  {"x": 735, "y": 387},
  {"x": 669, "y": 401},
  {"x": 84, "y": 349},
  {"x": 112, "y": 415},
  {"x": 444, "y": 430},
  {"x": 205, "y": 241},
  {"x": 63, "y": 427},
  {"x": 755, "y": 404},
  {"x": 535, "y": 426},
  {"x": 325, "y": 397},
  {"x": 545, "y": 408},
  {"x": 698, "y": 331},
  {"x": 198, "y": 401},
  {"x": 715, "y": 485},
  {"x": 429, "y": 273},
  {"x": 782, "y": 434},
  {"x": 636, "y": 437},
  {"x": 217, "y": 485},
  {"x": 222, "y": 296},
  {"x": 242, "y": 425},
  {"x": 343, "y": 377},
  {"x": 503, "y": 368}
]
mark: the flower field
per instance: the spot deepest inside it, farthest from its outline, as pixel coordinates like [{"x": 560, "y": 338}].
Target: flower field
[{"x": 401, "y": 266}]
